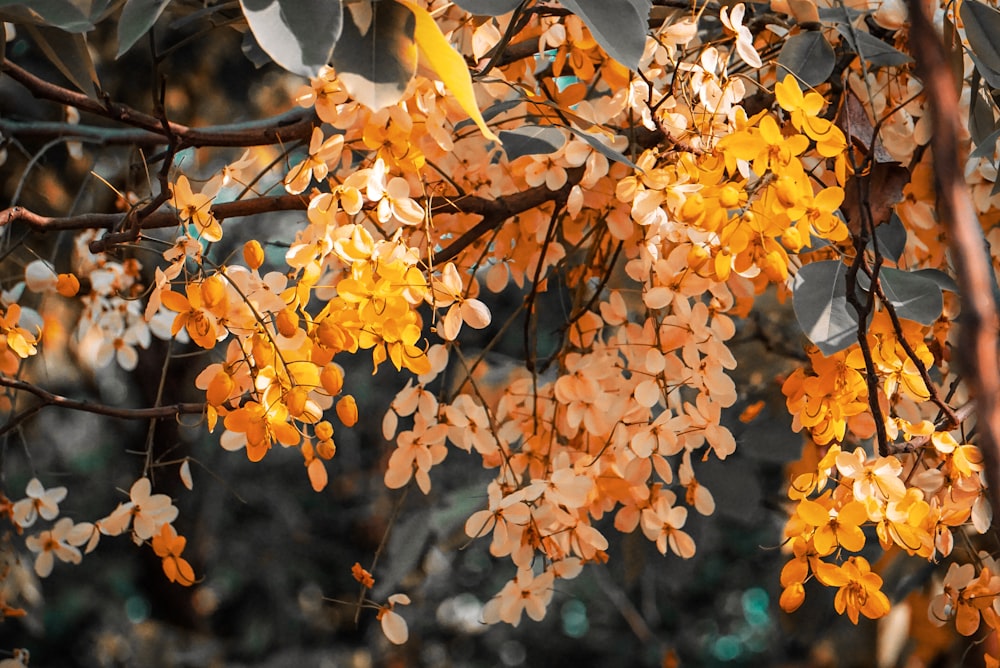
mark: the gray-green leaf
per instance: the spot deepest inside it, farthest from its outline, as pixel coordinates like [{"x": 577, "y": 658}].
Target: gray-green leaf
[
  {"x": 819, "y": 295},
  {"x": 531, "y": 140},
  {"x": 68, "y": 52},
  {"x": 982, "y": 28},
  {"x": 604, "y": 149},
  {"x": 137, "y": 18},
  {"x": 808, "y": 56},
  {"x": 872, "y": 49},
  {"x": 891, "y": 238},
  {"x": 914, "y": 296},
  {"x": 376, "y": 55},
  {"x": 299, "y": 35},
  {"x": 619, "y": 27},
  {"x": 62, "y": 14},
  {"x": 488, "y": 7}
]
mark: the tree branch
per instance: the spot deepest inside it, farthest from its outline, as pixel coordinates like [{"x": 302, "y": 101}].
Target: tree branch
[
  {"x": 978, "y": 333},
  {"x": 50, "y": 399},
  {"x": 495, "y": 212},
  {"x": 158, "y": 219},
  {"x": 292, "y": 126}
]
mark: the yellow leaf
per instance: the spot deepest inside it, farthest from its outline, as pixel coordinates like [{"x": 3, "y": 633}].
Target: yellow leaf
[{"x": 448, "y": 64}]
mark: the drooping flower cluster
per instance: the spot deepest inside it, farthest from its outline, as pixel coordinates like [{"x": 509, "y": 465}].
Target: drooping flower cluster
[{"x": 146, "y": 516}]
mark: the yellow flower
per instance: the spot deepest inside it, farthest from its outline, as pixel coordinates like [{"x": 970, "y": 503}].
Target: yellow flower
[
  {"x": 19, "y": 340},
  {"x": 195, "y": 208},
  {"x": 830, "y": 141},
  {"x": 257, "y": 426},
  {"x": 194, "y": 314},
  {"x": 834, "y": 527},
  {"x": 860, "y": 590}
]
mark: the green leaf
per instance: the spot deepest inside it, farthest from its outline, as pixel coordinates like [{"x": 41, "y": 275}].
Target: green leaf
[
  {"x": 982, "y": 28},
  {"x": 488, "y": 7},
  {"x": 819, "y": 296},
  {"x": 619, "y": 27},
  {"x": 62, "y": 14},
  {"x": 808, "y": 56},
  {"x": 299, "y": 35},
  {"x": 376, "y": 55},
  {"x": 871, "y": 48},
  {"x": 943, "y": 280},
  {"x": 69, "y": 53},
  {"x": 991, "y": 75},
  {"x": 532, "y": 140},
  {"x": 987, "y": 147},
  {"x": 981, "y": 123},
  {"x": 891, "y": 238},
  {"x": 838, "y": 14},
  {"x": 137, "y": 18},
  {"x": 603, "y": 149},
  {"x": 491, "y": 112},
  {"x": 915, "y": 296}
]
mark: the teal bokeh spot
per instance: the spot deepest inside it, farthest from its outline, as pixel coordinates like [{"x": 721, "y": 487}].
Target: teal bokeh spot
[
  {"x": 727, "y": 648},
  {"x": 574, "y": 619},
  {"x": 136, "y": 609},
  {"x": 755, "y": 599},
  {"x": 756, "y": 604}
]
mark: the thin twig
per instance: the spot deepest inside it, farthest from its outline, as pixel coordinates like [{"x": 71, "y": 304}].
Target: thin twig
[
  {"x": 50, "y": 399},
  {"x": 288, "y": 127}
]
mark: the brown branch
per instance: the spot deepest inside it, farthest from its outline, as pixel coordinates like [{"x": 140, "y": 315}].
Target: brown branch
[
  {"x": 292, "y": 126},
  {"x": 158, "y": 219},
  {"x": 952, "y": 420},
  {"x": 495, "y": 212},
  {"x": 50, "y": 399},
  {"x": 918, "y": 442},
  {"x": 978, "y": 333}
]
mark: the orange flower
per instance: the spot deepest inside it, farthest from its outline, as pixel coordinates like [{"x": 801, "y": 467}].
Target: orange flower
[
  {"x": 859, "y": 588},
  {"x": 662, "y": 523},
  {"x": 525, "y": 593},
  {"x": 18, "y": 339},
  {"x": 168, "y": 546},
  {"x": 195, "y": 312},
  {"x": 362, "y": 576},
  {"x": 966, "y": 598},
  {"x": 834, "y": 527},
  {"x": 255, "y": 426}
]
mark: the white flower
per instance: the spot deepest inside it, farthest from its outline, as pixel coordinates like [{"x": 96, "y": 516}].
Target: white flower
[{"x": 744, "y": 38}]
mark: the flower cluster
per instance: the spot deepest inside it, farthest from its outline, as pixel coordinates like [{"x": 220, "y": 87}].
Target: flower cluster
[
  {"x": 146, "y": 516},
  {"x": 915, "y": 500}
]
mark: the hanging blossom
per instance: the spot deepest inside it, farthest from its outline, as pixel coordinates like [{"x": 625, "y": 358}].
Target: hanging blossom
[{"x": 733, "y": 20}]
